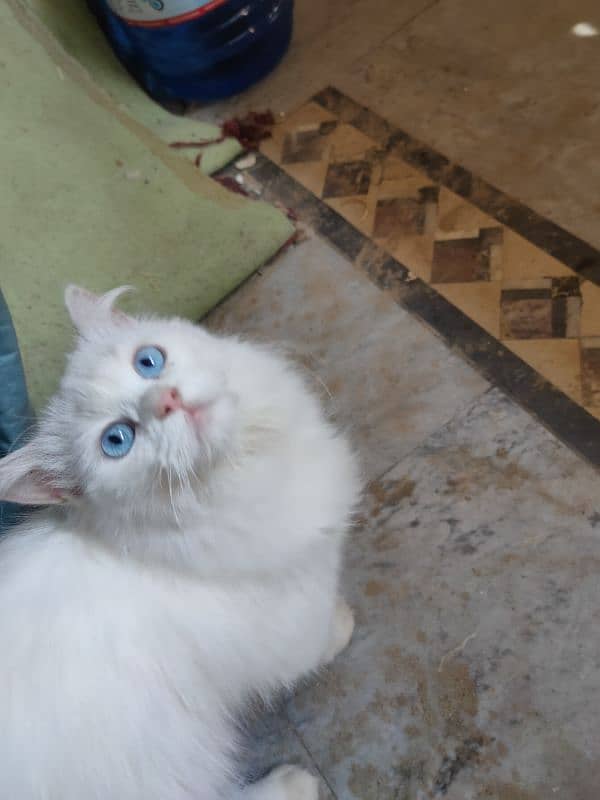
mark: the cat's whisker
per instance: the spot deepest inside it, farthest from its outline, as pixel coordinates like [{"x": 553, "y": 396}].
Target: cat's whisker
[
  {"x": 229, "y": 459},
  {"x": 316, "y": 377},
  {"x": 171, "y": 494},
  {"x": 153, "y": 482},
  {"x": 207, "y": 446},
  {"x": 184, "y": 480},
  {"x": 194, "y": 473}
]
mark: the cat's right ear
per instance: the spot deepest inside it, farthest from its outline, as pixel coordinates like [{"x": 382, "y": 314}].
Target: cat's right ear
[
  {"x": 90, "y": 312},
  {"x": 24, "y": 480}
]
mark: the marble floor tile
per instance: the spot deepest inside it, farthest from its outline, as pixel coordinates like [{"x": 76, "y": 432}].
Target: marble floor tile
[
  {"x": 474, "y": 672},
  {"x": 392, "y": 381},
  {"x": 506, "y": 90},
  {"x": 329, "y": 36}
]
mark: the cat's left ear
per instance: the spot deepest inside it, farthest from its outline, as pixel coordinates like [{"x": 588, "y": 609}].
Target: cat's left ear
[
  {"x": 90, "y": 312},
  {"x": 24, "y": 480}
]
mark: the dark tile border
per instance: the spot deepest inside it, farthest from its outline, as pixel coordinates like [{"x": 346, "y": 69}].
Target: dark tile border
[
  {"x": 552, "y": 239},
  {"x": 561, "y": 415}
]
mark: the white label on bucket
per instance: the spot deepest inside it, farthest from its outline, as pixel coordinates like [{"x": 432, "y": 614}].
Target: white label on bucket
[{"x": 161, "y": 12}]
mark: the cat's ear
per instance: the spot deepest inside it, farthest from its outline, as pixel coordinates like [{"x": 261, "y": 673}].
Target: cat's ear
[
  {"x": 90, "y": 312},
  {"x": 24, "y": 480}
]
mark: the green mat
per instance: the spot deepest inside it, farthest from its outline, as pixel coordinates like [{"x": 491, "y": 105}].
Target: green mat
[
  {"x": 76, "y": 29},
  {"x": 91, "y": 196}
]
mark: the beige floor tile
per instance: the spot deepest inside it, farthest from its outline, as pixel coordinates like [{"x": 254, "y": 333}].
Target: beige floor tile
[
  {"x": 307, "y": 114},
  {"x": 557, "y": 360},
  {"x": 312, "y": 175},
  {"x": 478, "y": 300},
  {"x": 401, "y": 183},
  {"x": 459, "y": 219},
  {"x": 303, "y": 120},
  {"x": 272, "y": 147},
  {"x": 348, "y": 144},
  {"x": 394, "y": 170},
  {"x": 523, "y": 261},
  {"x": 414, "y": 252}
]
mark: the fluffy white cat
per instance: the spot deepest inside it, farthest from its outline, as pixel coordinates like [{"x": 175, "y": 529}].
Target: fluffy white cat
[{"x": 189, "y": 560}]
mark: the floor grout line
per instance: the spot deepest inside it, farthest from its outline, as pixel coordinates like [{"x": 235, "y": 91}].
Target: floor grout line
[
  {"x": 312, "y": 758},
  {"x": 410, "y": 20},
  {"x": 449, "y": 421},
  {"x": 402, "y": 27}
]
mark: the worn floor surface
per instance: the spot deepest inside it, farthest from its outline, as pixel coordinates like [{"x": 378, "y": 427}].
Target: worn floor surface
[
  {"x": 505, "y": 99},
  {"x": 505, "y": 89},
  {"x": 530, "y": 285},
  {"x": 474, "y": 670}
]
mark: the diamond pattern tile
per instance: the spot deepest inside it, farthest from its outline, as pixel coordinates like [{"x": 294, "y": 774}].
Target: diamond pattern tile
[
  {"x": 347, "y": 179},
  {"x": 306, "y": 144},
  {"x": 521, "y": 294}
]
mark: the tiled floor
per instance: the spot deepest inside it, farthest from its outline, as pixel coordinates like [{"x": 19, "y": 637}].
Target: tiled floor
[
  {"x": 390, "y": 396},
  {"x": 505, "y": 89},
  {"x": 474, "y": 667},
  {"x": 528, "y": 284},
  {"x": 473, "y": 673}
]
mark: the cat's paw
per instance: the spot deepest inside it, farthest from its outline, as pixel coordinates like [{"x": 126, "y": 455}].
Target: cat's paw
[
  {"x": 297, "y": 783},
  {"x": 285, "y": 783},
  {"x": 343, "y": 628}
]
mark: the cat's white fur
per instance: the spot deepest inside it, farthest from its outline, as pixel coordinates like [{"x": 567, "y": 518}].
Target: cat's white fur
[{"x": 162, "y": 590}]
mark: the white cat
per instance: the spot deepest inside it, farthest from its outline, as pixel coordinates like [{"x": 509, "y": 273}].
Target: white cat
[{"x": 190, "y": 560}]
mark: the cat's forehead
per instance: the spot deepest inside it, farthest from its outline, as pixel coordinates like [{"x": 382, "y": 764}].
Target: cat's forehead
[
  {"x": 103, "y": 366},
  {"x": 101, "y": 370},
  {"x": 100, "y": 379}
]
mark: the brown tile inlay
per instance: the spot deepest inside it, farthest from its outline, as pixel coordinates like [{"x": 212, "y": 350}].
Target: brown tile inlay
[
  {"x": 515, "y": 365},
  {"x": 555, "y": 241},
  {"x": 545, "y": 312},
  {"x": 526, "y": 318},
  {"x": 460, "y": 260},
  {"x": 503, "y": 266},
  {"x": 347, "y": 179},
  {"x": 398, "y": 215},
  {"x": 306, "y": 144},
  {"x": 590, "y": 371}
]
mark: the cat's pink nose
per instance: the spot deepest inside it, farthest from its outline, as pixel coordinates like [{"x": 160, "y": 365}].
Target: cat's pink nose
[{"x": 169, "y": 401}]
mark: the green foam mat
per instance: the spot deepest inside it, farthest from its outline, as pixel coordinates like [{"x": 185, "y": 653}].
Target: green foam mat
[
  {"x": 91, "y": 197},
  {"x": 76, "y": 29}
]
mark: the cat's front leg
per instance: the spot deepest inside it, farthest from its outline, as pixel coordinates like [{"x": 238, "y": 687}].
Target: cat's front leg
[
  {"x": 283, "y": 783},
  {"x": 342, "y": 628}
]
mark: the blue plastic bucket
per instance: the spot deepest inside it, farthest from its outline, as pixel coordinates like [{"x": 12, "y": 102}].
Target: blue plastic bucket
[{"x": 196, "y": 50}]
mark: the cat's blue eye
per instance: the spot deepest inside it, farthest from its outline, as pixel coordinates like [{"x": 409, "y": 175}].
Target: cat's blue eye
[
  {"x": 117, "y": 440},
  {"x": 149, "y": 361}
]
